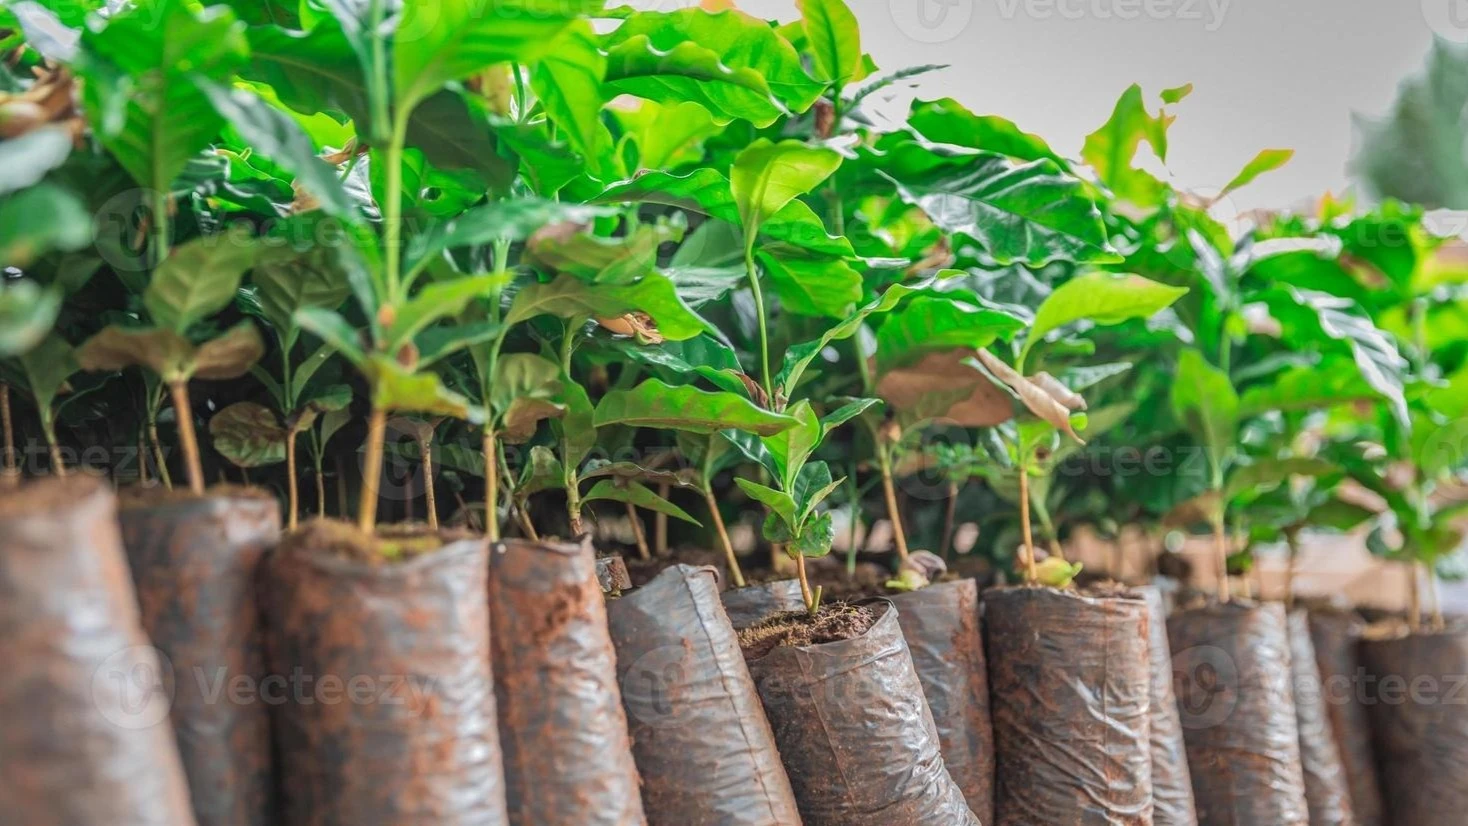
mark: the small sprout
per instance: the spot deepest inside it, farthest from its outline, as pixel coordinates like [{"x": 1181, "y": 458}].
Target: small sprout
[
  {"x": 1056, "y": 572},
  {"x": 908, "y": 580}
]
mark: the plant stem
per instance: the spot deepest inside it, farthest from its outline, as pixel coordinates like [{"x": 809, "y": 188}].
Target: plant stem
[
  {"x": 11, "y": 473},
  {"x": 526, "y": 525},
  {"x": 430, "y": 494},
  {"x": 950, "y": 515},
  {"x": 568, "y": 463},
  {"x": 293, "y": 493},
  {"x": 491, "y": 486},
  {"x": 372, "y": 470},
  {"x": 320, "y": 491},
  {"x": 158, "y": 454},
  {"x": 637, "y": 534},
  {"x": 1032, "y": 573},
  {"x": 1435, "y": 597},
  {"x": 889, "y": 492},
  {"x": 142, "y": 458},
  {"x": 48, "y": 428},
  {"x": 392, "y": 211},
  {"x": 660, "y": 523},
  {"x": 805, "y": 591},
  {"x": 736, "y": 575},
  {"x": 160, "y": 228},
  {"x": 1220, "y": 553},
  {"x": 1414, "y": 598},
  {"x": 187, "y": 439},
  {"x": 1292, "y": 538},
  {"x": 759, "y": 311}
]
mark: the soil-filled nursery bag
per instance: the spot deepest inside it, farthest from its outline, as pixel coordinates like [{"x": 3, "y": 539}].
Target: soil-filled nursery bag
[
  {"x": 1069, "y": 687},
  {"x": 1231, "y": 673},
  {"x": 195, "y": 562},
  {"x": 747, "y": 606},
  {"x": 700, "y": 737},
  {"x": 1327, "y": 791},
  {"x": 941, "y": 626},
  {"x": 1336, "y": 635},
  {"x": 381, "y": 653},
  {"x": 855, "y": 733},
  {"x": 85, "y": 738},
  {"x": 612, "y": 575},
  {"x": 1419, "y": 716},
  {"x": 1172, "y": 784},
  {"x": 568, "y": 761}
]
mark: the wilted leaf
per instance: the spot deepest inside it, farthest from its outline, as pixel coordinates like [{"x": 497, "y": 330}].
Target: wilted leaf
[{"x": 1036, "y": 398}]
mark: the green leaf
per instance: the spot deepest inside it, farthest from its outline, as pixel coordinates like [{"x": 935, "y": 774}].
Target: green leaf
[
  {"x": 166, "y": 353},
  {"x": 576, "y": 428},
  {"x": 438, "y": 343},
  {"x": 132, "y": 68},
  {"x": 568, "y": 82},
  {"x": 1271, "y": 473},
  {"x": 569, "y": 297},
  {"x": 248, "y": 435},
  {"x": 779, "y": 502},
  {"x": 27, "y": 313},
  {"x": 451, "y": 40},
  {"x": 685, "y": 408},
  {"x": 799, "y": 357},
  {"x": 273, "y": 134},
  {"x": 286, "y": 282},
  {"x": 439, "y": 300},
  {"x": 948, "y": 121},
  {"x": 619, "y": 260},
  {"x": 814, "y": 286},
  {"x": 331, "y": 328},
  {"x": 1335, "y": 382},
  {"x": 1031, "y": 213},
  {"x": 767, "y": 176},
  {"x": 1204, "y": 400},
  {"x": 514, "y": 219},
  {"x": 936, "y": 322},
  {"x": 1102, "y": 298},
  {"x": 47, "y": 366},
  {"x": 1267, "y": 160},
  {"x": 815, "y": 539},
  {"x": 790, "y": 448},
  {"x": 198, "y": 279},
  {"x": 812, "y": 485},
  {"x": 708, "y": 192},
  {"x": 760, "y": 63},
  {"x": 396, "y": 389},
  {"x": 835, "y": 40},
  {"x": 1111, "y": 149},
  {"x": 39, "y": 220},
  {"x": 525, "y": 392},
  {"x": 639, "y": 495},
  {"x": 666, "y": 135}
]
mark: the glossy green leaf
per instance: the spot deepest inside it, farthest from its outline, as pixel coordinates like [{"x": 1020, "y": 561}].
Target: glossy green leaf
[
  {"x": 666, "y": 135},
  {"x": 442, "y": 299},
  {"x": 287, "y": 281},
  {"x": 331, "y": 328},
  {"x": 779, "y": 502},
  {"x": 198, "y": 279},
  {"x": 248, "y": 435},
  {"x": 948, "y": 121},
  {"x": 149, "y": 121},
  {"x": 814, "y": 286},
  {"x": 397, "y": 389},
  {"x": 638, "y": 495},
  {"x": 568, "y": 81},
  {"x": 1267, "y": 160},
  {"x": 682, "y": 407},
  {"x": 27, "y": 312},
  {"x": 513, "y": 219},
  {"x": 1102, "y": 298},
  {"x": 451, "y": 40},
  {"x": 930, "y": 323},
  {"x": 799, "y": 357},
  {"x": 275, "y": 135},
  {"x": 39, "y": 220},
  {"x": 750, "y": 48},
  {"x": 1111, "y": 149},
  {"x": 569, "y": 297},
  {"x": 47, "y": 366},
  {"x": 767, "y": 176},
  {"x": 1204, "y": 400},
  {"x": 835, "y": 39}
]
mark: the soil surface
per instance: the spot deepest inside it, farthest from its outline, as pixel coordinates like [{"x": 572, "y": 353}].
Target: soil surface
[
  {"x": 391, "y": 544},
  {"x": 798, "y": 628},
  {"x": 644, "y": 571},
  {"x": 138, "y": 496},
  {"x": 47, "y": 494}
]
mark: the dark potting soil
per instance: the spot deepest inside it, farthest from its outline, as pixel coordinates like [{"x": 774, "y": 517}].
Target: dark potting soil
[
  {"x": 798, "y": 629},
  {"x": 150, "y": 496},
  {"x": 644, "y": 571},
  {"x": 391, "y": 544}
]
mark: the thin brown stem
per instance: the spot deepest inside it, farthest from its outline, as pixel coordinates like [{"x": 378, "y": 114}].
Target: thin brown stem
[
  {"x": 58, "y": 464},
  {"x": 1435, "y": 600},
  {"x": 1414, "y": 598},
  {"x": 527, "y": 526},
  {"x": 11, "y": 472},
  {"x": 736, "y": 575},
  {"x": 660, "y": 523},
  {"x": 950, "y": 515},
  {"x": 320, "y": 494},
  {"x": 430, "y": 495},
  {"x": 491, "y": 485},
  {"x": 637, "y": 533},
  {"x": 142, "y": 459},
  {"x": 1220, "y": 553},
  {"x": 293, "y": 493},
  {"x": 889, "y": 492},
  {"x": 1032, "y": 572},
  {"x": 372, "y": 471},
  {"x": 805, "y": 590},
  {"x": 187, "y": 438},
  {"x": 158, "y": 459}
]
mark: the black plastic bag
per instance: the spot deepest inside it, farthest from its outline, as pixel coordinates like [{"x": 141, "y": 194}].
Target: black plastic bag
[
  {"x": 855, "y": 733},
  {"x": 1336, "y": 635},
  {"x": 1327, "y": 791},
  {"x": 699, "y": 735},
  {"x": 747, "y": 606},
  {"x": 1172, "y": 784},
  {"x": 1069, "y": 685}
]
